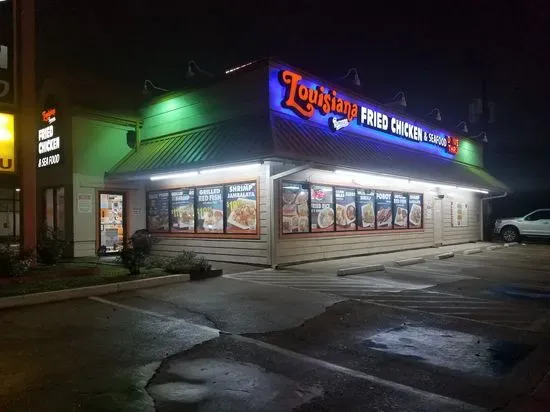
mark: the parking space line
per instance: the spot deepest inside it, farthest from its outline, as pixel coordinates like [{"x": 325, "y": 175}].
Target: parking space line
[
  {"x": 408, "y": 309},
  {"x": 307, "y": 359}
]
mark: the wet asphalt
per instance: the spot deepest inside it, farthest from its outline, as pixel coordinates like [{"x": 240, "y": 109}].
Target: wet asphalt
[{"x": 466, "y": 334}]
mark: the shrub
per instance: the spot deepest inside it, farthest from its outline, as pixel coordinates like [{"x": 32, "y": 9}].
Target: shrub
[
  {"x": 135, "y": 253},
  {"x": 13, "y": 262},
  {"x": 50, "y": 245},
  {"x": 186, "y": 262}
]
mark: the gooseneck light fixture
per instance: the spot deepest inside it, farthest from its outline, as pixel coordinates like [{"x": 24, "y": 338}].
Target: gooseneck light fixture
[
  {"x": 193, "y": 67},
  {"x": 482, "y": 136},
  {"x": 356, "y": 79},
  {"x": 464, "y": 128},
  {"x": 436, "y": 114},
  {"x": 148, "y": 86},
  {"x": 402, "y": 100}
]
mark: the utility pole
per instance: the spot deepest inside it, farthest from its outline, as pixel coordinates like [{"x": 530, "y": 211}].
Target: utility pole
[{"x": 25, "y": 11}]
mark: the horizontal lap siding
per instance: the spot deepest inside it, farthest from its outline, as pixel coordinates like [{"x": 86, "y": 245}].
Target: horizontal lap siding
[
  {"x": 253, "y": 251},
  {"x": 462, "y": 234}
]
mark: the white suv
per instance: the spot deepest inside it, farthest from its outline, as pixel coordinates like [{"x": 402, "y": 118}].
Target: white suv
[{"x": 536, "y": 223}]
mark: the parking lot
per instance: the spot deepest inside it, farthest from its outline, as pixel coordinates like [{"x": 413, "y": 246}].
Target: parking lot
[{"x": 466, "y": 333}]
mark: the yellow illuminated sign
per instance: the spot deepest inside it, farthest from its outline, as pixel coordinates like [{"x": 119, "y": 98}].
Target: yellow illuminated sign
[{"x": 7, "y": 143}]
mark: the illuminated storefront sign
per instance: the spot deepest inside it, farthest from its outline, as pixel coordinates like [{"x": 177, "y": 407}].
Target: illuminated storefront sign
[
  {"x": 49, "y": 145},
  {"x": 7, "y": 72},
  {"x": 308, "y": 100},
  {"x": 7, "y": 143}
]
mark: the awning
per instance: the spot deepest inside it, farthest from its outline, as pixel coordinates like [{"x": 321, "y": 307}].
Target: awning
[
  {"x": 238, "y": 140},
  {"x": 304, "y": 142}
]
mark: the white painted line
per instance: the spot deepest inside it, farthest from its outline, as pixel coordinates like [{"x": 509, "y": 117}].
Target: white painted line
[
  {"x": 408, "y": 309},
  {"x": 151, "y": 313},
  {"x": 304, "y": 358}
]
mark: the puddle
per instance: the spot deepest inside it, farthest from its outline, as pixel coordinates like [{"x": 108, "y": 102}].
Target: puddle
[
  {"x": 212, "y": 385},
  {"x": 454, "y": 350}
]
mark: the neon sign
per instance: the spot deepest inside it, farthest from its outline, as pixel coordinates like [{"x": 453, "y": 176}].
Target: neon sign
[{"x": 310, "y": 101}]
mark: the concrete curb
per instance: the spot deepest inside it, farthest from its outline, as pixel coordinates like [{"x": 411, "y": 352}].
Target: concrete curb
[
  {"x": 411, "y": 261},
  {"x": 511, "y": 244},
  {"x": 446, "y": 255},
  {"x": 359, "y": 270},
  {"x": 472, "y": 251},
  {"x": 495, "y": 247},
  {"x": 87, "y": 291}
]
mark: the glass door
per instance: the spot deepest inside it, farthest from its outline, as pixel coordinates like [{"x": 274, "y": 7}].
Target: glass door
[{"x": 111, "y": 222}]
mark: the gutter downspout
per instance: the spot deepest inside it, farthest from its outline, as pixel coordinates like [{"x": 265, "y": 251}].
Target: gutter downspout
[
  {"x": 273, "y": 232},
  {"x": 484, "y": 199}
]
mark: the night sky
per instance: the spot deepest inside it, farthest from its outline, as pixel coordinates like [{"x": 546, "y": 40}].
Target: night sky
[{"x": 435, "y": 54}]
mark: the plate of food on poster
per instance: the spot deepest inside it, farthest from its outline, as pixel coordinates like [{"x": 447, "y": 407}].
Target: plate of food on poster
[{"x": 295, "y": 208}]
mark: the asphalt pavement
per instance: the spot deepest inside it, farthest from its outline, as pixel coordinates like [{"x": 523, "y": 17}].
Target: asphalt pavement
[{"x": 468, "y": 333}]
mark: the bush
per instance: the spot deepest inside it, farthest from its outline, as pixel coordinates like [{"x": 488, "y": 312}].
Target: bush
[
  {"x": 186, "y": 262},
  {"x": 135, "y": 253},
  {"x": 50, "y": 245},
  {"x": 13, "y": 262}
]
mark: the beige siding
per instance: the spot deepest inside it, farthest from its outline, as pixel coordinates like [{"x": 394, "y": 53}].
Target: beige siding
[
  {"x": 463, "y": 234},
  {"x": 253, "y": 251}
]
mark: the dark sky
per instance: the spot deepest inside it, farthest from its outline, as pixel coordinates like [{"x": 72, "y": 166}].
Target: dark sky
[{"x": 435, "y": 53}]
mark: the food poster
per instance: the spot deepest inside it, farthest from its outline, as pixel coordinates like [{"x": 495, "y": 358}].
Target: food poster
[
  {"x": 158, "y": 211},
  {"x": 294, "y": 207},
  {"x": 400, "y": 211},
  {"x": 241, "y": 207},
  {"x": 322, "y": 209},
  {"x": 346, "y": 213},
  {"x": 183, "y": 210},
  {"x": 415, "y": 211},
  {"x": 384, "y": 215},
  {"x": 459, "y": 214},
  {"x": 365, "y": 204},
  {"x": 210, "y": 209}
]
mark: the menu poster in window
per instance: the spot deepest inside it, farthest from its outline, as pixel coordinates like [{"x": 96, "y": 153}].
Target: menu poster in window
[
  {"x": 210, "y": 209},
  {"x": 158, "y": 211},
  {"x": 459, "y": 214},
  {"x": 183, "y": 210},
  {"x": 294, "y": 208},
  {"x": 415, "y": 210},
  {"x": 241, "y": 207},
  {"x": 365, "y": 204},
  {"x": 346, "y": 214},
  {"x": 322, "y": 212},
  {"x": 400, "y": 210},
  {"x": 384, "y": 213}
]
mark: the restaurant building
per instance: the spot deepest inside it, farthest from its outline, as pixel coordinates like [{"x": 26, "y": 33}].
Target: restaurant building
[{"x": 269, "y": 166}]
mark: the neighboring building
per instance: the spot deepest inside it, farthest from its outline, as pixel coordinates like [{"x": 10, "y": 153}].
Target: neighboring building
[{"x": 270, "y": 166}]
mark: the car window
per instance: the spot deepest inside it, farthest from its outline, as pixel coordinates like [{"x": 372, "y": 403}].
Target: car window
[{"x": 542, "y": 214}]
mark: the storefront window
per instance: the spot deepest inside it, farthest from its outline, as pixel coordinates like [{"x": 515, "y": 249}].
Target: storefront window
[
  {"x": 182, "y": 206},
  {"x": 295, "y": 207},
  {"x": 158, "y": 206},
  {"x": 210, "y": 209},
  {"x": 49, "y": 212},
  {"x": 400, "y": 210},
  {"x": 241, "y": 207},
  {"x": 415, "y": 211},
  {"x": 322, "y": 209},
  {"x": 346, "y": 211},
  {"x": 60, "y": 208},
  {"x": 384, "y": 215},
  {"x": 54, "y": 208},
  {"x": 365, "y": 205}
]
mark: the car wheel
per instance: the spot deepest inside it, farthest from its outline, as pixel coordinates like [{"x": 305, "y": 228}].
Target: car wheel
[{"x": 510, "y": 234}]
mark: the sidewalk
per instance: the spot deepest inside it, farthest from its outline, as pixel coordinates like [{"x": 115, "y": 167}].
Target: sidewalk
[{"x": 332, "y": 266}]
